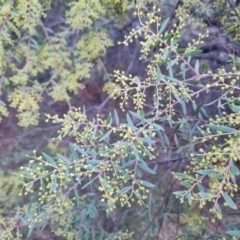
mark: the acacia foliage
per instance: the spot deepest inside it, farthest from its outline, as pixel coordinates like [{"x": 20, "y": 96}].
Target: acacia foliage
[{"x": 108, "y": 167}]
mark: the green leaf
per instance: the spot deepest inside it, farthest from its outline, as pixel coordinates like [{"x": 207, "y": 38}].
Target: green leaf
[
  {"x": 106, "y": 135},
  {"x": 218, "y": 209},
  {"x": 77, "y": 197},
  {"x": 196, "y": 67},
  {"x": 206, "y": 112},
  {"x": 147, "y": 140},
  {"x": 172, "y": 63},
  {"x": 146, "y": 168},
  {"x": 181, "y": 50},
  {"x": 182, "y": 32},
  {"x": 177, "y": 97},
  {"x": 179, "y": 193},
  {"x": 234, "y": 170},
  {"x": 73, "y": 151},
  {"x": 229, "y": 201},
  {"x": 78, "y": 179},
  {"x": 116, "y": 117},
  {"x": 234, "y": 233},
  {"x": 168, "y": 36},
  {"x": 63, "y": 158},
  {"x": 109, "y": 120},
  {"x": 136, "y": 115},
  {"x": 30, "y": 230},
  {"x": 234, "y": 108},
  {"x": 205, "y": 195},
  {"x": 94, "y": 133},
  {"x": 50, "y": 160},
  {"x": 153, "y": 46},
  {"x": 54, "y": 183},
  {"x": 208, "y": 104},
  {"x": 184, "y": 108},
  {"x": 165, "y": 54},
  {"x": 205, "y": 172},
  {"x": 94, "y": 162},
  {"x": 176, "y": 140},
  {"x": 143, "y": 120},
  {"x": 157, "y": 126},
  {"x": 137, "y": 80},
  {"x": 159, "y": 74},
  {"x": 27, "y": 174},
  {"x": 125, "y": 189},
  {"x": 182, "y": 175},
  {"x": 138, "y": 173},
  {"x": 191, "y": 53},
  {"x": 234, "y": 224},
  {"x": 130, "y": 123},
  {"x": 80, "y": 150},
  {"x": 42, "y": 184},
  {"x": 200, "y": 188},
  {"x": 87, "y": 184},
  {"x": 189, "y": 197},
  {"x": 127, "y": 164},
  {"x": 203, "y": 67},
  {"x": 223, "y": 129},
  {"x": 163, "y": 25},
  {"x": 136, "y": 154},
  {"x": 76, "y": 128},
  {"x": 186, "y": 184},
  {"x": 145, "y": 183},
  {"x": 121, "y": 143},
  {"x": 197, "y": 110}
]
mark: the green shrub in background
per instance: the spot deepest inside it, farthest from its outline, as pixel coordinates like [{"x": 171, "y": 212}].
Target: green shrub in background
[{"x": 107, "y": 184}]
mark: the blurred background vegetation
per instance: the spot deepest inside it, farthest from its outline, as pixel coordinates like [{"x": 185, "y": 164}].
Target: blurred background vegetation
[{"x": 60, "y": 54}]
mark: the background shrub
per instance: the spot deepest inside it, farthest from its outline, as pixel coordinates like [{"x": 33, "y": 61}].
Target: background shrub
[{"x": 120, "y": 119}]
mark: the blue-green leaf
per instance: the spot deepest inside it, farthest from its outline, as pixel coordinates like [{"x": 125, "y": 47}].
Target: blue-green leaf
[
  {"x": 157, "y": 126},
  {"x": 205, "y": 172},
  {"x": 94, "y": 133},
  {"x": 234, "y": 170},
  {"x": 77, "y": 197},
  {"x": 163, "y": 25},
  {"x": 234, "y": 108},
  {"x": 191, "y": 53},
  {"x": 116, "y": 117},
  {"x": 125, "y": 189},
  {"x": 196, "y": 67},
  {"x": 234, "y": 233},
  {"x": 145, "y": 183},
  {"x": 130, "y": 123},
  {"x": 106, "y": 135},
  {"x": 229, "y": 201},
  {"x": 146, "y": 168},
  {"x": 80, "y": 150},
  {"x": 136, "y": 115},
  {"x": 50, "y": 160},
  {"x": 223, "y": 129},
  {"x": 63, "y": 158}
]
